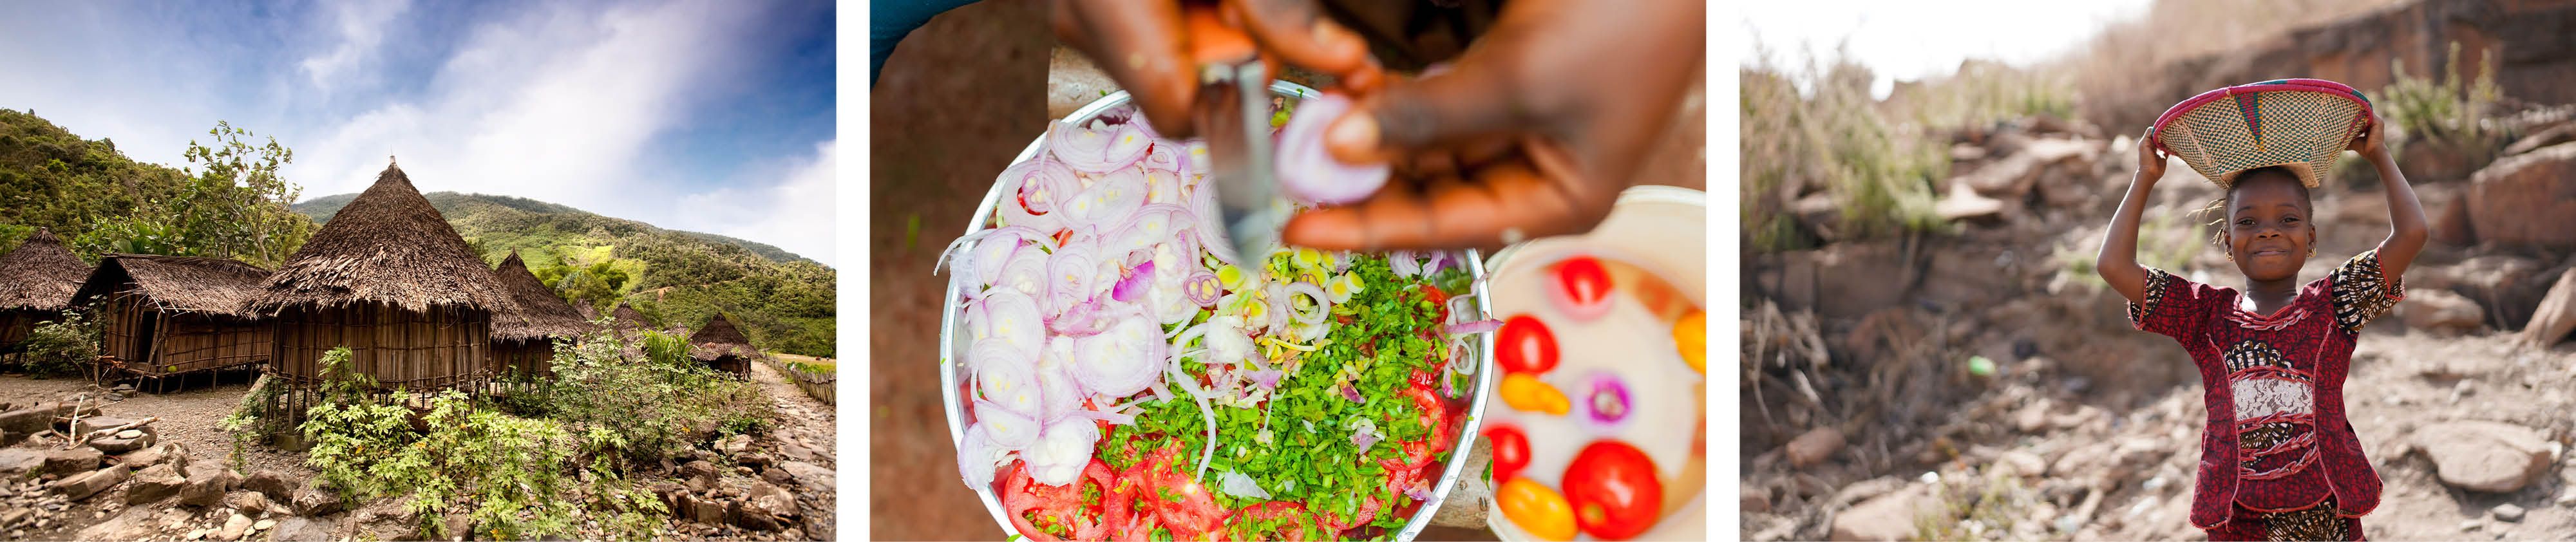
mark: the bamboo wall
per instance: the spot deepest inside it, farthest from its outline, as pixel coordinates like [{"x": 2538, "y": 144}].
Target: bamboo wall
[
  {"x": 533, "y": 357},
  {"x": 179, "y": 343},
  {"x": 445, "y": 347},
  {"x": 15, "y": 325}
]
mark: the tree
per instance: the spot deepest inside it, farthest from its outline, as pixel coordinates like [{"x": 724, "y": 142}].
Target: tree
[{"x": 231, "y": 204}]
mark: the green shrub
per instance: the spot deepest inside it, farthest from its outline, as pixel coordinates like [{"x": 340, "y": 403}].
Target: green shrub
[
  {"x": 60, "y": 347},
  {"x": 2448, "y": 112},
  {"x": 650, "y": 394},
  {"x": 1819, "y": 130}
]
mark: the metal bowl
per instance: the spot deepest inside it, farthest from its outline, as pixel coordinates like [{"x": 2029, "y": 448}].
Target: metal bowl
[{"x": 952, "y": 344}]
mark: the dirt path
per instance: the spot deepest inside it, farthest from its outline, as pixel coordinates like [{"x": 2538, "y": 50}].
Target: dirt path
[{"x": 809, "y": 422}]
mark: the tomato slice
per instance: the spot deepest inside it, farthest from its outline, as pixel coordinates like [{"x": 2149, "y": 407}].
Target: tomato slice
[
  {"x": 1071, "y": 511},
  {"x": 1156, "y": 493},
  {"x": 1524, "y": 345},
  {"x": 1613, "y": 489},
  {"x": 1511, "y": 451},
  {"x": 1274, "y": 520},
  {"x": 1583, "y": 286},
  {"x": 1338, "y": 525},
  {"x": 1439, "y": 303}
]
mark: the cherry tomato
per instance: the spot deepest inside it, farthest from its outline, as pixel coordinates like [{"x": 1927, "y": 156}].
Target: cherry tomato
[
  {"x": 1527, "y": 393},
  {"x": 1070, "y": 511},
  {"x": 1274, "y": 520},
  {"x": 1536, "y": 509},
  {"x": 1524, "y": 345},
  {"x": 1511, "y": 451},
  {"x": 1613, "y": 488},
  {"x": 1583, "y": 287},
  {"x": 1690, "y": 334}
]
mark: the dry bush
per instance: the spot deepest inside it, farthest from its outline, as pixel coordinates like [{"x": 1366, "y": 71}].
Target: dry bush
[{"x": 2122, "y": 73}]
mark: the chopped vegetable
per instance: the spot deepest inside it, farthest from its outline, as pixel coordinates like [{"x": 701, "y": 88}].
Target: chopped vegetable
[{"x": 1310, "y": 175}]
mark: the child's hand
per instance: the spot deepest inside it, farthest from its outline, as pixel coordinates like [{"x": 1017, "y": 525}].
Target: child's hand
[
  {"x": 2151, "y": 162},
  {"x": 2372, "y": 143}
]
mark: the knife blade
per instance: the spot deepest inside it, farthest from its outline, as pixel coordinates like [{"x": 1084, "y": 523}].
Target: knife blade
[{"x": 1233, "y": 114}]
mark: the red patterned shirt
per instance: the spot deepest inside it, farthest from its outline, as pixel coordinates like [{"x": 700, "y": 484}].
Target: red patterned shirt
[{"x": 2276, "y": 438}]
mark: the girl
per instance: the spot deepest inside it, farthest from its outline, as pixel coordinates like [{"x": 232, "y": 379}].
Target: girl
[{"x": 2278, "y": 460}]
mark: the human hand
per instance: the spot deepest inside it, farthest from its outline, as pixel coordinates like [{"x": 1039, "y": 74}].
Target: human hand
[
  {"x": 2373, "y": 141},
  {"x": 1145, "y": 46},
  {"x": 1532, "y": 132},
  {"x": 2151, "y": 161}
]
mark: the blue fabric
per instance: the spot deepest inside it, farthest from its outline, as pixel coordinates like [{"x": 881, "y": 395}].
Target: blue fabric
[{"x": 890, "y": 20}]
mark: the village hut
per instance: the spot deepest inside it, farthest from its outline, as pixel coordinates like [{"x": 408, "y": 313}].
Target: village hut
[
  {"x": 390, "y": 280},
  {"x": 723, "y": 347},
  {"x": 36, "y": 284},
  {"x": 588, "y": 312},
  {"x": 629, "y": 321},
  {"x": 523, "y": 340},
  {"x": 166, "y": 316}
]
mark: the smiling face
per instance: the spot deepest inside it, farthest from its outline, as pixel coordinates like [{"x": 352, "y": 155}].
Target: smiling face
[{"x": 2268, "y": 228}]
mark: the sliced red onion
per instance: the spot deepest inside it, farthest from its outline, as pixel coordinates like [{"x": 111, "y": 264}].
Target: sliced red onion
[
  {"x": 1082, "y": 320},
  {"x": 1111, "y": 198},
  {"x": 1471, "y": 328},
  {"x": 1131, "y": 288},
  {"x": 1240, "y": 486},
  {"x": 1090, "y": 150},
  {"x": 1202, "y": 288},
  {"x": 1404, "y": 263},
  {"x": 1323, "y": 307},
  {"x": 1364, "y": 433},
  {"x": 1114, "y": 418},
  {"x": 1420, "y": 491},
  {"x": 1161, "y": 392},
  {"x": 1227, "y": 341},
  {"x": 1352, "y": 393},
  {"x": 1009, "y": 430},
  {"x": 1268, "y": 379},
  {"x": 1449, "y": 378},
  {"x": 1122, "y": 360},
  {"x": 1211, "y": 228},
  {"x": 1440, "y": 261},
  {"x": 1058, "y": 391},
  {"x": 1006, "y": 376},
  {"x": 978, "y": 458},
  {"x": 1307, "y": 173},
  {"x": 965, "y": 246},
  {"x": 1061, "y": 451},
  {"x": 1070, "y": 273},
  {"x": 1009, "y": 316},
  {"x": 1025, "y": 272},
  {"x": 1606, "y": 403},
  {"x": 1192, "y": 386},
  {"x": 1033, "y": 189}
]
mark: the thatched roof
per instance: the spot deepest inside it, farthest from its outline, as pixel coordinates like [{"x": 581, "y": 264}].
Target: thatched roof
[
  {"x": 211, "y": 286},
  {"x": 540, "y": 314},
  {"x": 628, "y": 320},
  {"x": 387, "y": 246},
  {"x": 588, "y": 313},
  {"x": 720, "y": 338},
  {"x": 40, "y": 274}
]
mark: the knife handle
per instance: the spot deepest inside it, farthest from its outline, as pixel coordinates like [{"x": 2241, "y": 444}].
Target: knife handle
[{"x": 1212, "y": 41}]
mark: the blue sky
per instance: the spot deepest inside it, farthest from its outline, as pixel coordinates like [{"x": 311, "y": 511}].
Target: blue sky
[{"x": 697, "y": 115}]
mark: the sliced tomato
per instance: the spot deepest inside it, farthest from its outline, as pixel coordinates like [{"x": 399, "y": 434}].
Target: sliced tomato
[
  {"x": 1439, "y": 303},
  {"x": 1337, "y": 524},
  {"x": 1274, "y": 520},
  {"x": 1071, "y": 511},
  {"x": 1157, "y": 493}
]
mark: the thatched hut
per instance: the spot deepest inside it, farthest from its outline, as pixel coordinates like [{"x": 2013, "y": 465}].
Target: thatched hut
[
  {"x": 722, "y": 346},
  {"x": 173, "y": 315},
  {"x": 36, "y": 284},
  {"x": 588, "y": 313},
  {"x": 387, "y": 278},
  {"x": 523, "y": 340},
  {"x": 629, "y": 321}
]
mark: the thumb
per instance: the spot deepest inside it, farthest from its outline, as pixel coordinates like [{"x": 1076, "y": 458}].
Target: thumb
[{"x": 1432, "y": 111}]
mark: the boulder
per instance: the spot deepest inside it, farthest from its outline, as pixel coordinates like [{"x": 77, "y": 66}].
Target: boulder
[
  {"x": 1886, "y": 517},
  {"x": 15, "y": 462},
  {"x": 303, "y": 529},
  {"x": 1814, "y": 447},
  {"x": 153, "y": 484},
  {"x": 2527, "y": 199},
  {"x": 811, "y": 476},
  {"x": 83, "y": 486},
  {"x": 72, "y": 461},
  {"x": 2563, "y": 132},
  {"x": 132, "y": 524},
  {"x": 207, "y": 485},
  {"x": 2012, "y": 176},
  {"x": 27, "y": 421},
  {"x": 171, "y": 453},
  {"x": 122, "y": 445},
  {"x": 2451, "y": 225},
  {"x": 234, "y": 528},
  {"x": 2556, "y": 314},
  {"x": 91, "y": 424},
  {"x": 765, "y": 507},
  {"x": 315, "y": 499},
  {"x": 2484, "y": 456},
  {"x": 1965, "y": 204},
  {"x": 250, "y": 502},
  {"x": 2441, "y": 310},
  {"x": 270, "y": 483}
]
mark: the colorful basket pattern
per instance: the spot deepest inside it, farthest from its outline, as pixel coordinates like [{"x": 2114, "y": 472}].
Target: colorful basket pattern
[{"x": 2302, "y": 124}]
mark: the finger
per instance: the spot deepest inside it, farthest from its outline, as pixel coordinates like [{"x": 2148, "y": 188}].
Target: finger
[
  {"x": 1466, "y": 100},
  {"x": 1140, "y": 45},
  {"x": 1298, "y": 33},
  {"x": 1504, "y": 203}
]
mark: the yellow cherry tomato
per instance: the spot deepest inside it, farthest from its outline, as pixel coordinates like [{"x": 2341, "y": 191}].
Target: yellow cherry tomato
[
  {"x": 1536, "y": 509},
  {"x": 1525, "y": 392},
  {"x": 1690, "y": 334}
]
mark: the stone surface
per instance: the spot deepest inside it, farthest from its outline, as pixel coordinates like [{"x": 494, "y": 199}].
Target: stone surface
[
  {"x": 2484, "y": 456},
  {"x": 72, "y": 460},
  {"x": 2526, "y": 199},
  {"x": 2441, "y": 310},
  {"x": 16, "y": 462},
  {"x": 90, "y": 424},
  {"x": 270, "y": 483},
  {"x": 132, "y": 524},
  {"x": 234, "y": 528},
  {"x": 153, "y": 484},
  {"x": 27, "y": 420},
  {"x": 207, "y": 484},
  {"x": 1753, "y": 501},
  {"x": 2556, "y": 314},
  {"x": 1885, "y": 517},
  {"x": 1815, "y": 446},
  {"x": 316, "y": 500},
  {"x": 249, "y": 501},
  {"x": 83, "y": 486},
  {"x": 809, "y": 475},
  {"x": 145, "y": 458},
  {"x": 765, "y": 507},
  {"x": 303, "y": 529},
  {"x": 2508, "y": 512}
]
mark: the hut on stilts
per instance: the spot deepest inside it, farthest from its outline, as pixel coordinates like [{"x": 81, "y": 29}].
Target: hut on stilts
[
  {"x": 723, "y": 347},
  {"x": 523, "y": 340},
  {"x": 387, "y": 278},
  {"x": 174, "y": 316},
  {"x": 37, "y": 281}
]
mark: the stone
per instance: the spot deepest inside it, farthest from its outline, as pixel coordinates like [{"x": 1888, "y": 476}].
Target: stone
[
  {"x": 170, "y": 453},
  {"x": 72, "y": 461},
  {"x": 270, "y": 483},
  {"x": 765, "y": 507},
  {"x": 2556, "y": 315},
  {"x": 119, "y": 445},
  {"x": 811, "y": 476},
  {"x": 249, "y": 501},
  {"x": 234, "y": 528},
  {"x": 2021, "y": 463},
  {"x": 303, "y": 529},
  {"x": 2526, "y": 199},
  {"x": 92, "y": 424},
  {"x": 1886, "y": 517},
  {"x": 2484, "y": 456},
  {"x": 2508, "y": 512},
  {"x": 2451, "y": 224},
  {"x": 83, "y": 486},
  {"x": 698, "y": 470},
  {"x": 796, "y": 452},
  {"x": 1815, "y": 446},
  {"x": 2441, "y": 310},
  {"x": 207, "y": 484},
  {"x": 753, "y": 459},
  {"x": 27, "y": 421},
  {"x": 2562, "y": 133},
  {"x": 314, "y": 499},
  {"x": 130, "y": 433},
  {"x": 707, "y": 510},
  {"x": 1753, "y": 501},
  {"x": 776, "y": 476},
  {"x": 15, "y": 462},
  {"x": 263, "y": 525},
  {"x": 153, "y": 484},
  {"x": 1964, "y": 204},
  {"x": 132, "y": 524}
]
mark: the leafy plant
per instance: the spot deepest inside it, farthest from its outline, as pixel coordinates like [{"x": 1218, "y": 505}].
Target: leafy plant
[
  {"x": 2449, "y": 112},
  {"x": 1818, "y": 130},
  {"x": 60, "y": 347}
]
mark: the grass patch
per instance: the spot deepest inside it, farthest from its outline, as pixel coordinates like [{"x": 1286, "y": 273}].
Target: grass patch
[{"x": 1815, "y": 129}]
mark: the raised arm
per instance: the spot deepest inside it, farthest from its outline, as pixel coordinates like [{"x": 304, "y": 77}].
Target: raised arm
[
  {"x": 2118, "y": 263},
  {"x": 2406, "y": 225}
]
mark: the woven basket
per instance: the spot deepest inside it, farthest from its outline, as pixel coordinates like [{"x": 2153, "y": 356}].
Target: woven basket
[{"x": 2301, "y": 124}]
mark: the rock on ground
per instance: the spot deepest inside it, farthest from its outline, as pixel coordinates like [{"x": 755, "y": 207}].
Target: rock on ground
[
  {"x": 83, "y": 486},
  {"x": 2442, "y": 310},
  {"x": 2484, "y": 456},
  {"x": 1815, "y": 446},
  {"x": 2527, "y": 199},
  {"x": 153, "y": 484},
  {"x": 2556, "y": 315},
  {"x": 1885, "y": 517}
]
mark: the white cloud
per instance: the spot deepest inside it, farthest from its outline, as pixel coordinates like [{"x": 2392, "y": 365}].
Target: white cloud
[
  {"x": 795, "y": 213},
  {"x": 361, "y": 26}
]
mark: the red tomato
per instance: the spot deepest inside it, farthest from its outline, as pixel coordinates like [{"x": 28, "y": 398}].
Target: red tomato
[
  {"x": 1066, "y": 513},
  {"x": 1511, "y": 451},
  {"x": 1337, "y": 525},
  {"x": 1142, "y": 499},
  {"x": 1524, "y": 345},
  {"x": 1274, "y": 520},
  {"x": 1583, "y": 284},
  {"x": 1439, "y": 302},
  {"x": 1613, "y": 489}
]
